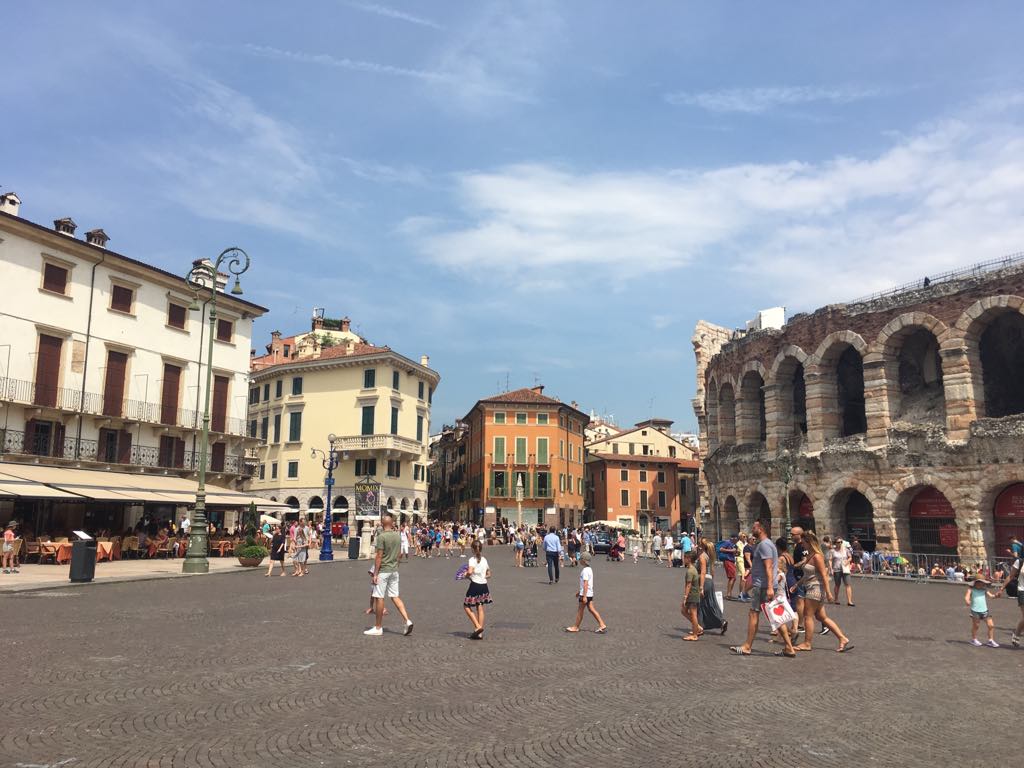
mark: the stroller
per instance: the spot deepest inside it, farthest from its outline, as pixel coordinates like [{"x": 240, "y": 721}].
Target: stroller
[{"x": 530, "y": 556}]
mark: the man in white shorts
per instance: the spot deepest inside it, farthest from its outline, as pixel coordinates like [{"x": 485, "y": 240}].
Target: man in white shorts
[
  {"x": 405, "y": 542},
  {"x": 385, "y": 576}
]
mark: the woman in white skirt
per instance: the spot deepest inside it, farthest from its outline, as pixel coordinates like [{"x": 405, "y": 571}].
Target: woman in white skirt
[{"x": 478, "y": 595}]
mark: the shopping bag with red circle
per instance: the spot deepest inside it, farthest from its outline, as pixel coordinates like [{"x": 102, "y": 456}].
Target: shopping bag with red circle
[{"x": 778, "y": 612}]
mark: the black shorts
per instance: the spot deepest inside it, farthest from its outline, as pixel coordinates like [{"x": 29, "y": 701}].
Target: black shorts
[{"x": 585, "y": 600}]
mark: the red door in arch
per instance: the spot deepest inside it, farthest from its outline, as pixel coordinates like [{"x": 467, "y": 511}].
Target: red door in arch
[
  {"x": 805, "y": 513},
  {"x": 933, "y": 528},
  {"x": 1009, "y": 518}
]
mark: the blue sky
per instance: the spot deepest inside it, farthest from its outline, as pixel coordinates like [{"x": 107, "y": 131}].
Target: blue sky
[{"x": 543, "y": 190}]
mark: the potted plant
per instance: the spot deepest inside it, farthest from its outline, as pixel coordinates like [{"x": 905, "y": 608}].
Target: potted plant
[{"x": 252, "y": 554}]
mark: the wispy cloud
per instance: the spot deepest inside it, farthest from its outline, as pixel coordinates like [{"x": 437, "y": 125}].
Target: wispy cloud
[
  {"x": 394, "y": 13},
  {"x": 950, "y": 193},
  {"x": 758, "y": 100},
  {"x": 353, "y": 65},
  {"x": 383, "y": 173}
]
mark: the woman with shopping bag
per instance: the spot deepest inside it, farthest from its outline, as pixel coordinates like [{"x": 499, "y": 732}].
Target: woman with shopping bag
[
  {"x": 818, "y": 589},
  {"x": 710, "y": 613}
]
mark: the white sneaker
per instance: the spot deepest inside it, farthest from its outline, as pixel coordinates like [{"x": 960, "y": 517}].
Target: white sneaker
[
  {"x": 976, "y": 643},
  {"x": 379, "y": 631},
  {"x": 992, "y": 644}
]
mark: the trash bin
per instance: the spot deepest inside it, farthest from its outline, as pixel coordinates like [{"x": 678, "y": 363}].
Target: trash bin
[
  {"x": 353, "y": 547},
  {"x": 83, "y": 560}
]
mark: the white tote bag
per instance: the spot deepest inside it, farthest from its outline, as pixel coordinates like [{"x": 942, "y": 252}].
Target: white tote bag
[{"x": 778, "y": 612}]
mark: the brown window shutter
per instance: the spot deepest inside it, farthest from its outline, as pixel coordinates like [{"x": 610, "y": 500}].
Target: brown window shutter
[
  {"x": 179, "y": 453},
  {"x": 217, "y": 457},
  {"x": 55, "y": 278},
  {"x": 176, "y": 315},
  {"x": 121, "y": 298},
  {"x": 124, "y": 447},
  {"x": 220, "y": 403},
  {"x": 224, "y": 330},
  {"x": 47, "y": 370},
  {"x": 113, "y": 387},
  {"x": 169, "y": 394},
  {"x": 30, "y": 437}
]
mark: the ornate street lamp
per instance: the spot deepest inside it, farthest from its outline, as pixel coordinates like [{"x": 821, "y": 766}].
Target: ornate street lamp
[
  {"x": 330, "y": 462},
  {"x": 203, "y": 280},
  {"x": 785, "y": 465}
]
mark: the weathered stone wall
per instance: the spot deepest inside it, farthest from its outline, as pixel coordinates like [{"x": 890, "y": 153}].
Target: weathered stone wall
[{"x": 950, "y": 446}]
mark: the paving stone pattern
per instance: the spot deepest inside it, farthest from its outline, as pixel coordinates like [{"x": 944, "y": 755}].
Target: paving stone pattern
[{"x": 248, "y": 671}]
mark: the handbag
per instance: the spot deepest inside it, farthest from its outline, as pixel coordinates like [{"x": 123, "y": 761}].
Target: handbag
[{"x": 778, "y": 612}]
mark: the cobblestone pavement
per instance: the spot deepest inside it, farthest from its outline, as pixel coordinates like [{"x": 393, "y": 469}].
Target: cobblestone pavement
[{"x": 250, "y": 671}]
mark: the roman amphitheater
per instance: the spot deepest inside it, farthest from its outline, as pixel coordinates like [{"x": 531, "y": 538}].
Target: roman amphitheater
[{"x": 898, "y": 419}]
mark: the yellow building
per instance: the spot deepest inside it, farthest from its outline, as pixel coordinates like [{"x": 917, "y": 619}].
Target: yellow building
[{"x": 330, "y": 381}]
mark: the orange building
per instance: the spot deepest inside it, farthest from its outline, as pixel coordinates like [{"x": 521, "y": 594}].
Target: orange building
[
  {"x": 525, "y": 439},
  {"x": 643, "y": 478}
]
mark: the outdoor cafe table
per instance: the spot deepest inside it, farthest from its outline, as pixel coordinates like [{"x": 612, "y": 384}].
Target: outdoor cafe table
[
  {"x": 104, "y": 550},
  {"x": 60, "y": 550},
  {"x": 222, "y": 546}
]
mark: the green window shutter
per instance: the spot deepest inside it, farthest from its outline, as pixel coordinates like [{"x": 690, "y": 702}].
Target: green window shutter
[
  {"x": 542, "y": 450},
  {"x": 499, "y": 450},
  {"x": 520, "y": 450},
  {"x": 367, "y": 419},
  {"x": 394, "y": 421},
  {"x": 295, "y": 426}
]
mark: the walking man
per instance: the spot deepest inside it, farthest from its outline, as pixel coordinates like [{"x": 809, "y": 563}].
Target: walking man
[
  {"x": 385, "y": 576},
  {"x": 764, "y": 557},
  {"x": 727, "y": 554},
  {"x": 552, "y": 551}
]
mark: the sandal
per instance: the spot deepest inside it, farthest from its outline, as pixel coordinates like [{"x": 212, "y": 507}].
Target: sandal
[
  {"x": 692, "y": 638},
  {"x": 574, "y": 630},
  {"x": 600, "y": 630},
  {"x": 738, "y": 650},
  {"x": 844, "y": 648},
  {"x": 787, "y": 654}
]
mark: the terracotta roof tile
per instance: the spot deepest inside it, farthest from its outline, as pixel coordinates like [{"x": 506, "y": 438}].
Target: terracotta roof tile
[{"x": 524, "y": 395}]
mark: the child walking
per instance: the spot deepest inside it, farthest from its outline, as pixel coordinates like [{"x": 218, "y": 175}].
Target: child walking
[
  {"x": 977, "y": 600},
  {"x": 586, "y": 597},
  {"x": 691, "y": 596},
  {"x": 478, "y": 595}
]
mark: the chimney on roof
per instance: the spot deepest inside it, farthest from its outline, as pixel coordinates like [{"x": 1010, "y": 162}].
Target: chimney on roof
[
  {"x": 538, "y": 389},
  {"x": 10, "y": 203},
  {"x": 65, "y": 226},
  {"x": 345, "y": 323},
  {"x": 318, "y": 323},
  {"x": 97, "y": 237},
  {"x": 425, "y": 361}
]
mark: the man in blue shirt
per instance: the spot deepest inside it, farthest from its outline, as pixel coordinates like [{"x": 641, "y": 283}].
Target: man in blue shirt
[
  {"x": 552, "y": 550},
  {"x": 764, "y": 558}
]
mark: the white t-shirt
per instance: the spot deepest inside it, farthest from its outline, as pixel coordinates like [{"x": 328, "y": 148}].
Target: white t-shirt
[
  {"x": 587, "y": 575},
  {"x": 668, "y": 542},
  {"x": 478, "y": 570},
  {"x": 657, "y": 541}
]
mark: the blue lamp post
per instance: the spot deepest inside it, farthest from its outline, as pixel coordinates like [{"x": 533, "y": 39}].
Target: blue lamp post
[{"x": 330, "y": 462}]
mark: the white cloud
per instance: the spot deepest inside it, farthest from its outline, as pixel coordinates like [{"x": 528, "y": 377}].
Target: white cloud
[
  {"x": 394, "y": 13},
  {"x": 757, "y": 100},
  {"x": 353, "y": 65},
  {"x": 803, "y": 233}
]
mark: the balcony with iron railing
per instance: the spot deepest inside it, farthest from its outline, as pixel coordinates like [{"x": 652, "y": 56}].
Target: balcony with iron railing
[
  {"x": 16, "y": 443},
  {"x": 29, "y": 393}
]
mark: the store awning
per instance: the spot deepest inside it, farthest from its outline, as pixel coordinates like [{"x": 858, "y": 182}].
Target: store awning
[{"x": 26, "y": 489}]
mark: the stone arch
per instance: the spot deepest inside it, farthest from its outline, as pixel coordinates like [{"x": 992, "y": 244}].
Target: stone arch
[
  {"x": 340, "y": 503},
  {"x": 751, "y": 421},
  {"x": 833, "y": 520},
  {"x": 391, "y": 502},
  {"x": 797, "y": 493},
  {"x": 315, "y": 503},
  {"x": 293, "y": 503},
  {"x": 416, "y": 505},
  {"x": 840, "y": 386},
  {"x": 405, "y": 504},
  {"x": 758, "y": 507},
  {"x": 787, "y": 401},
  {"x": 907, "y": 348},
  {"x": 727, "y": 414},
  {"x": 993, "y": 391},
  {"x": 994, "y": 481},
  {"x": 903, "y": 492}
]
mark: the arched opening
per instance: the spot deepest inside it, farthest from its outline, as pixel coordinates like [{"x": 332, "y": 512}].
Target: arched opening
[
  {"x": 801, "y": 510},
  {"x": 759, "y": 509},
  {"x": 917, "y": 371},
  {"x": 416, "y": 505},
  {"x": 791, "y": 392},
  {"x": 1009, "y": 518},
  {"x": 853, "y": 418},
  {"x": 391, "y": 503},
  {"x": 1001, "y": 348},
  {"x": 856, "y": 517},
  {"x": 293, "y": 512},
  {"x": 315, "y": 503},
  {"x": 726, "y": 415},
  {"x": 932, "y": 519},
  {"x": 340, "y": 503},
  {"x": 730, "y": 512},
  {"x": 752, "y": 427},
  {"x": 405, "y": 504},
  {"x": 292, "y": 502},
  {"x": 273, "y": 498}
]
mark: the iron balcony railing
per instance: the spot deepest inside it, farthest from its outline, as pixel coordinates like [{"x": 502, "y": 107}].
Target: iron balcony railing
[
  {"x": 19, "y": 443},
  {"x": 67, "y": 399}
]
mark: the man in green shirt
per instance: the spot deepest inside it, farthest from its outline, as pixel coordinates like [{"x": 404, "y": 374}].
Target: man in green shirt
[{"x": 385, "y": 575}]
